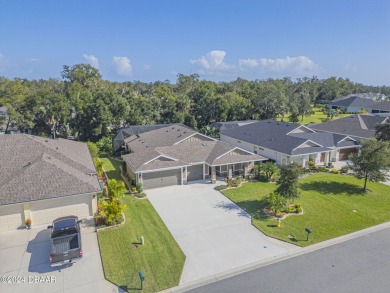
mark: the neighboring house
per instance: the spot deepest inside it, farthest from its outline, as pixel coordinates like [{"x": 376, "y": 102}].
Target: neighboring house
[
  {"x": 44, "y": 179},
  {"x": 118, "y": 141},
  {"x": 176, "y": 155},
  {"x": 379, "y": 107},
  {"x": 3, "y": 123},
  {"x": 219, "y": 126},
  {"x": 355, "y": 104},
  {"x": 356, "y": 126},
  {"x": 286, "y": 142},
  {"x": 351, "y": 104}
]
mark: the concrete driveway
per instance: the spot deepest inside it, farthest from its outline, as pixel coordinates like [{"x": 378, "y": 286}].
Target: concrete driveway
[
  {"x": 24, "y": 260},
  {"x": 214, "y": 233}
]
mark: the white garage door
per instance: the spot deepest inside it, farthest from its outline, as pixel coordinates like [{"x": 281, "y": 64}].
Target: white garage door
[
  {"x": 44, "y": 212},
  {"x": 11, "y": 217}
]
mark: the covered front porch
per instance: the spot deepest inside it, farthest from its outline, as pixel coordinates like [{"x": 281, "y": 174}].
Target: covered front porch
[
  {"x": 220, "y": 172},
  {"x": 320, "y": 158}
]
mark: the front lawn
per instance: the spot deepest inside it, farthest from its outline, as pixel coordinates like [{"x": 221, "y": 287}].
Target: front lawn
[
  {"x": 317, "y": 117},
  {"x": 161, "y": 259},
  {"x": 333, "y": 206}
]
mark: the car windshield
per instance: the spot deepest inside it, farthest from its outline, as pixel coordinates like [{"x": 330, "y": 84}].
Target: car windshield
[{"x": 64, "y": 232}]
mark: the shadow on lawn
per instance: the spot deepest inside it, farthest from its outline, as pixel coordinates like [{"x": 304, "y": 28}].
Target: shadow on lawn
[
  {"x": 331, "y": 187},
  {"x": 252, "y": 207}
]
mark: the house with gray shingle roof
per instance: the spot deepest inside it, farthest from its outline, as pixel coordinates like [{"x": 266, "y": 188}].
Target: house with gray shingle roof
[
  {"x": 118, "y": 141},
  {"x": 356, "y": 126},
  {"x": 177, "y": 155},
  {"x": 357, "y": 103},
  {"x": 44, "y": 179},
  {"x": 286, "y": 142}
]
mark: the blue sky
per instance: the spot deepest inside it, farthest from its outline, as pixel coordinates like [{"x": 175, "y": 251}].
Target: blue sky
[{"x": 220, "y": 40}]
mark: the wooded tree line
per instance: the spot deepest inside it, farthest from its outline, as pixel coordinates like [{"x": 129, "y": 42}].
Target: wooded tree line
[{"x": 86, "y": 106}]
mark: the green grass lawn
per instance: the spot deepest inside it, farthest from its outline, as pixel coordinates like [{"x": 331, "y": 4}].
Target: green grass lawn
[
  {"x": 161, "y": 259},
  {"x": 328, "y": 202},
  {"x": 317, "y": 117}
]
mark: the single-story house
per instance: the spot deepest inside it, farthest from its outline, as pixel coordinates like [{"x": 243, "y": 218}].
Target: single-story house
[
  {"x": 355, "y": 104},
  {"x": 43, "y": 179},
  {"x": 286, "y": 142},
  {"x": 351, "y": 104},
  {"x": 118, "y": 142},
  {"x": 360, "y": 126},
  {"x": 176, "y": 155},
  {"x": 379, "y": 107}
]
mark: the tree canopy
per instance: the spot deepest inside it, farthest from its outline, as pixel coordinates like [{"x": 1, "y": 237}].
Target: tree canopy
[
  {"x": 84, "y": 105},
  {"x": 373, "y": 162}
]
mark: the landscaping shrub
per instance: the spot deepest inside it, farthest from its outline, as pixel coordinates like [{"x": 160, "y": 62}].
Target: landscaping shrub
[
  {"x": 233, "y": 182},
  {"x": 330, "y": 165},
  {"x": 111, "y": 212},
  {"x": 344, "y": 169},
  {"x": 94, "y": 150},
  {"x": 220, "y": 187},
  {"x": 140, "y": 195},
  {"x": 139, "y": 187},
  {"x": 335, "y": 171},
  {"x": 322, "y": 169}
]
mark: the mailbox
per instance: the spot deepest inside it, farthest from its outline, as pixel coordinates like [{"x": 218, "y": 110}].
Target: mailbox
[
  {"x": 309, "y": 231},
  {"x": 141, "y": 276}
]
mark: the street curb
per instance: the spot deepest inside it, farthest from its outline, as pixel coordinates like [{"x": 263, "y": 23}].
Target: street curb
[{"x": 300, "y": 251}]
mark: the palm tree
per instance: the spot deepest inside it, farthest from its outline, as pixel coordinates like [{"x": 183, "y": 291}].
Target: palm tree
[
  {"x": 99, "y": 167},
  {"x": 116, "y": 189}
]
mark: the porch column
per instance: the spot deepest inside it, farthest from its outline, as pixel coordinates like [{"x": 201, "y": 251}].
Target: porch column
[
  {"x": 337, "y": 156},
  {"x": 139, "y": 178},
  {"x": 204, "y": 171},
  {"x": 317, "y": 159},
  {"x": 182, "y": 175},
  {"x": 326, "y": 158},
  {"x": 185, "y": 173},
  {"x": 303, "y": 162},
  {"x": 213, "y": 175},
  {"x": 245, "y": 169},
  {"x": 26, "y": 211},
  {"x": 230, "y": 171}
]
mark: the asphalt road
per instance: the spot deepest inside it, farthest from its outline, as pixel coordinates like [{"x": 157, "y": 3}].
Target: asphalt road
[{"x": 358, "y": 265}]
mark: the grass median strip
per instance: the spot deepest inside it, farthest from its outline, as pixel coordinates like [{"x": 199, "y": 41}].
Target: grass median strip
[
  {"x": 333, "y": 206},
  {"x": 161, "y": 259}
]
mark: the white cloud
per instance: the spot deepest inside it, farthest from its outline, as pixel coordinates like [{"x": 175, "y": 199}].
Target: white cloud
[
  {"x": 35, "y": 60},
  {"x": 288, "y": 64},
  {"x": 92, "y": 60},
  {"x": 212, "y": 61},
  {"x": 147, "y": 67},
  {"x": 122, "y": 65}
]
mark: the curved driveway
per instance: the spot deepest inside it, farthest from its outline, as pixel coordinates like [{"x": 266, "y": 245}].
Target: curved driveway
[{"x": 214, "y": 233}]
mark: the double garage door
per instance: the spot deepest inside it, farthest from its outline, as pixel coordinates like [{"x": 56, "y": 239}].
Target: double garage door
[
  {"x": 171, "y": 177},
  {"x": 161, "y": 178},
  {"x": 44, "y": 212}
]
